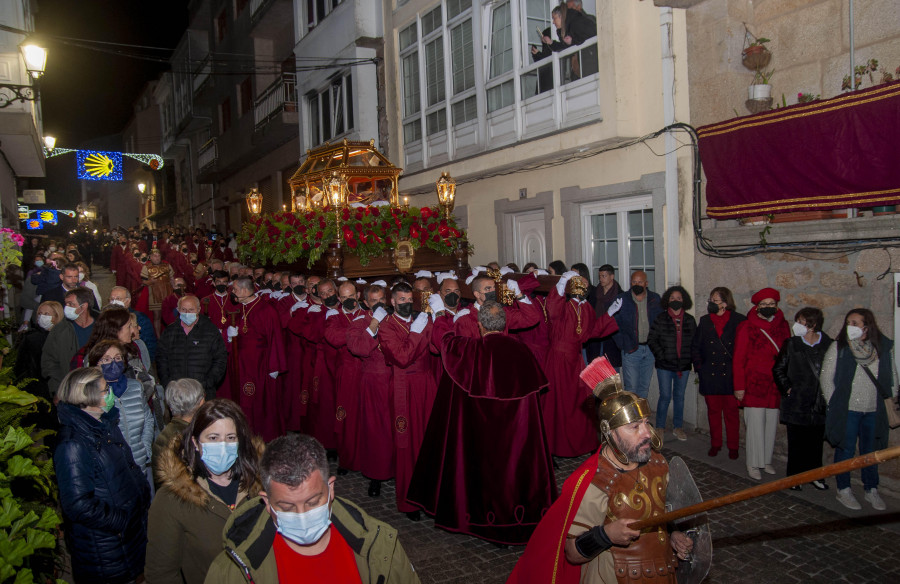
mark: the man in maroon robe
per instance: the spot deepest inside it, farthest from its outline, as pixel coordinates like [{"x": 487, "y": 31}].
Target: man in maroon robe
[
  {"x": 295, "y": 298},
  {"x": 522, "y": 314},
  {"x": 404, "y": 342},
  {"x": 257, "y": 360},
  {"x": 117, "y": 260},
  {"x": 485, "y": 467},
  {"x": 376, "y": 450},
  {"x": 569, "y": 426},
  {"x": 537, "y": 338},
  {"x": 347, "y": 378}
]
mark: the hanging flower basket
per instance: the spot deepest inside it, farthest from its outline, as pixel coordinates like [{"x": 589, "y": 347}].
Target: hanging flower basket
[{"x": 756, "y": 57}]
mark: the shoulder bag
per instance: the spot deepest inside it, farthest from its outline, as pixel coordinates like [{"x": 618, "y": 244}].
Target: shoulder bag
[{"x": 890, "y": 407}]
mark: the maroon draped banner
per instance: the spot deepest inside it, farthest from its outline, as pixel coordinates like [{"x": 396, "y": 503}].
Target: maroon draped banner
[{"x": 833, "y": 154}]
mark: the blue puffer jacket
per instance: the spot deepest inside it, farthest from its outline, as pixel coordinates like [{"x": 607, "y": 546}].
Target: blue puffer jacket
[
  {"x": 627, "y": 319},
  {"x": 104, "y": 497}
]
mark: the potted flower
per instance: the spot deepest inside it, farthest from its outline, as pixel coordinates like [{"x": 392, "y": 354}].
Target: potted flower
[
  {"x": 759, "y": 87},
  {"x": 756, "y": 55}
]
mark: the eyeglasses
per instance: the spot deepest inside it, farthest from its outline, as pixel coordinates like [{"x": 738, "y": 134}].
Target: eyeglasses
[
  {"x": 767, "y": 304},
  {"x": 108, "y": 360}
]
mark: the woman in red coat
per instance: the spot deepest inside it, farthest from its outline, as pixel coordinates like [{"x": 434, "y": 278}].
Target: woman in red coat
[{"x": 759, "y": 338}]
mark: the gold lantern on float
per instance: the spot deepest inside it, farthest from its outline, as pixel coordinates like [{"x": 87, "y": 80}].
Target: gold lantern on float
[
  {"x": 336, "y": 191},
  {"x": 254, "y": 202},
  {"x": 505, "y": 296},
  {"x": 446, "y": 192}
]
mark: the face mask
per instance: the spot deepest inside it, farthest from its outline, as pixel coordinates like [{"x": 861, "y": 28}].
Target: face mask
[
  {"x": 767, "y": 311},
  {"x": 349, "y": 304},
  {"x": 300, "y": 290},
  {"x": 276, "y": 286},
  {"x": 676, "y": 305},
  {"x": 331, "y": 301},
  {"x": 71, "y": 313},
  {"x": 854, "y": 332},
  {"x": 304, "y": 528},
  {"x": 490, "y": 296},
  {"x": 637, "y": 290},
  {"x": 404, "y": 309},
  {"x": 45, "y": 321},
  {"x": 220, "y": 288},
  {"x": 38, "y": 263},
  {"x": 221, "y": 246},
  {"x": 378, "y": 305},
  {"x": 179, "y": 291},
  {"x": 117, "y": 303},
  {"x": 188, "y": 318},
  {"x": 712, "y": 308},
  {"x": 451, "y": 299},
  {"x": 218, "y": 456},
  {"x": 799, "y": 329},
  {"x": 577, "y": 297},
  {"x": 52, "y": 248},
  {"x": 113, "y": 371},
  {"x": 80, "y": 276},
  {"x": 109, "y": 401}
]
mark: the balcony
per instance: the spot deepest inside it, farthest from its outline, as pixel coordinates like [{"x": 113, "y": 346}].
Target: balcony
[
  {"x": 269, "y": 16},
  {"x": 280, "y": 96},
  {"x": 208, "y": 155},
  {"x": 201, "y": 75}
]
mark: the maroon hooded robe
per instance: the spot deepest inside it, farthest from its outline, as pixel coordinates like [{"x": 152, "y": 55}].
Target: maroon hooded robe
[
  {"x": 485, "y": 466},
  {"x": 319, "y": 380},
  {"x": 346, "y": 387}
]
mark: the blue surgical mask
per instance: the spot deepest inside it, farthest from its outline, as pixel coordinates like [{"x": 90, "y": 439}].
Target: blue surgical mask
[
  {"x": 112, "y": 371},
  {"x": 218, "y": 456},
  {"x": 188, "y": 318},
  {"x": 304, "y": 528},
  {"x": 38, "y": 263}
]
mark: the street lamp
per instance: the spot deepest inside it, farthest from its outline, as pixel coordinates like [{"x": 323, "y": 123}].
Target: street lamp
[
  {"x": 254, "y": 202},
  {"x": 446, "y": 191},
  {"x": 49, "y": 143},
  {"x": 142, "y": 187},
  {"x": 35, "y": 58}
]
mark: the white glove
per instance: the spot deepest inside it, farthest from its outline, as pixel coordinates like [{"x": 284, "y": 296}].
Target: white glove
[
  {"x": 359, "y": 317},
  {"x": 418, "y": 325},
  {"x": 540, "y": 272},
  {"x": 436, "y": 304},
  {"x": 380, "y": 314},
  {"x": 263, "y": 291},
  {"x": 506, "y": 270},
  {"x": 300, "y": 304},
  {"x": 315, "y": 308},
  {"x": 342, "y": 279},
  {"x": 381, "y": 283},
  {"x": 273, "y": 374},
  {"x": 614, "y": 307},
  {"x": 361, "y": 282},
  {"x": 232, "y": 332},
  {"x": 441, "y": 276},
  {"x": 460, "y": 314},
  {"x": 331, "y": 312},
  {"x": 423, "y": 274},
  {"x": 514, "y": 286}
]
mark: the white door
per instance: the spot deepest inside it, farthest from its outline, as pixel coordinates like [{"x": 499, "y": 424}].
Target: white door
[{"x": 529, "y": 238}]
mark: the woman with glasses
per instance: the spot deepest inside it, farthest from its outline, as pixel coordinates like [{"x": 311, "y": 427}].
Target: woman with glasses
[
  {"x": 712, "y": 353},
  {"x": 135, "y": 418},
  {"x": 759, "y": 339},
  {"x": 103, "y": 494}
]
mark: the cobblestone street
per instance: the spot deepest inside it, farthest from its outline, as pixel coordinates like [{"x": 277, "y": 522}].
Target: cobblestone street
[{"x": 779, "y": 538}]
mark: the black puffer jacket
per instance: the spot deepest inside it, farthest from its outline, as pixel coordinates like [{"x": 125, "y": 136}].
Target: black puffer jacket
[
  {"x": 661, "y": 341},
  {"x": 200, "y": 355},
  {"x": 104, "y": 497},
  {"x": 793, "y": 371}
]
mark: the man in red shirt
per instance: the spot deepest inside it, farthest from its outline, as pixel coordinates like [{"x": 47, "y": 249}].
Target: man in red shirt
[{"x": 297, "y": 530}]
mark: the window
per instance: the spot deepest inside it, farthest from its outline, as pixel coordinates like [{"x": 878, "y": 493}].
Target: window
[
  {"x": 621, "y": 234},
  {"x": 221, "y": 25},
  {"x": 409, "y": 72},
  {"x": 434, "y": 71},
  {"x": 225, "y": 115},
  {"x": 501, "y": 41},
  {"x": 330, "y": 110},
  {"x": 245, "y": 93},
  {"x": 316, "y": 10}
]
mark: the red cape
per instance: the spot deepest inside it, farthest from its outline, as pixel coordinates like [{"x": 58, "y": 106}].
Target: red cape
[{"x": 544, "y": 560}]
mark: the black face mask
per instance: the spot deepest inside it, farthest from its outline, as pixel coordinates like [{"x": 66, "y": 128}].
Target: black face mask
[
  {"x": 194, "y": 262},
  {"x": 379, "y": 305},
  {"x": 276, "y": 286},
  {"x": 221, "y": 246},
  {"x": 220, "y": 288},
  {"x": 451, "y": 299},
  {"x": 490, "y": 296},
  {"x": 331, "y": 301},
  {"x": 233, "y": 298},
  {"x": 676, "y": 305},
  {"x": 637, "y": 290},
  {"x": 349, "y": 304},
  {"x": 234, "y": 277},
  {"x": 578, "y": 297},
  {"x": 712, "y": 308},
  {"x": 143, "y": 258},
  {"x": 767, "y": 311},
  {"x": 179, "y": 291},
  {"x": 404, "y": 309},
  {"x": 299, "y": 290}
]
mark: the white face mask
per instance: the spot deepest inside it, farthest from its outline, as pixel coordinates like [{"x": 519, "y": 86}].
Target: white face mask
[
  {"x": 45, "y": 321},
  {"x": 117, "y": 303},
  {"x": 71, "y": 313},
  {"x": 80, "y": 276},
  {"x": 799, "y": 329},
  {"x": 854, "y": 332}
]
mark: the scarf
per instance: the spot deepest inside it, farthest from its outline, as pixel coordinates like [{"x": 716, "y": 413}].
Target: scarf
[
  {"x": 863, "y": 351},
  {"x": 720, "y": 321},
  {"x": 678, "y": 319}
]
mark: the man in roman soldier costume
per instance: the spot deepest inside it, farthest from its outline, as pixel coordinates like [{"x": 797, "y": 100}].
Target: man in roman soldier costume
[
  {"x": 585, "y": 537},
  {"x": 157, "y": 276}
]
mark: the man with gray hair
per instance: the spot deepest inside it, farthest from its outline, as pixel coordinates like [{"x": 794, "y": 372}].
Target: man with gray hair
[
  {"x": 494, "y": 377},
  {"x": 184, "y": 397},
  {"x": 192, "y": 347},
  {"x": 297, "y": 525}
]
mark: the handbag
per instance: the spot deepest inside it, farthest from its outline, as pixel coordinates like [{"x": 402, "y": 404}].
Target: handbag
[
  {"x": 890, "y": 407},
  {"x": 821, "y": 405}
]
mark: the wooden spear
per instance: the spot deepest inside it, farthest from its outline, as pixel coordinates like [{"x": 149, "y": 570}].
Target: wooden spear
[{"x": 764, "y": 489}]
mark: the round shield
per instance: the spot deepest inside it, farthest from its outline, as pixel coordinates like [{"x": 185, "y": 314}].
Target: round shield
[{"x": 682, "y": 492}]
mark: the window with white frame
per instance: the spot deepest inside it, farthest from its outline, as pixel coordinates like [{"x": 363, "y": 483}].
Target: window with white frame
[
  {"x": 620, "y": 233},
  {"x": 316, "y": 10},
  {"x": 331, "y": 109}
]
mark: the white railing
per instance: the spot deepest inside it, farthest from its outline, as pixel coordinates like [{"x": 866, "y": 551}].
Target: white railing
[
  {"x": 208, "y": 154},
  {"x": 280, "y": 96}
]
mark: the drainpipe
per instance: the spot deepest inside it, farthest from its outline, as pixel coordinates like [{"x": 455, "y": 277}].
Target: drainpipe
[
  {"x": 852, "y": 51},
  {"x": 673, "y": 259}
]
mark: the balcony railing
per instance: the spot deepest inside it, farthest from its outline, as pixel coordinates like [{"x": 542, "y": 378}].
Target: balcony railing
[
  {"x": 207, "y": 155},
  {"x": 201, "y": 74},
  {"x": 256, "y": 7},
  {"x": 278, "y": 97}
]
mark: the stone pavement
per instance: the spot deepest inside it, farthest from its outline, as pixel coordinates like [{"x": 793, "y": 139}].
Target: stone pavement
[{"x": 779, "y": 538}]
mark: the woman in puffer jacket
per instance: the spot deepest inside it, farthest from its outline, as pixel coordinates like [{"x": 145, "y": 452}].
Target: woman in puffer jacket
[{"x": 103, "y": 494}]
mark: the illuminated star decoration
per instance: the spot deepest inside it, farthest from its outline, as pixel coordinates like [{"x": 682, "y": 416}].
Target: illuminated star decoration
[{"x": 154, "y": 161}]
